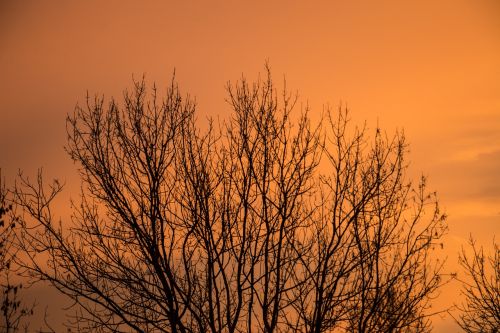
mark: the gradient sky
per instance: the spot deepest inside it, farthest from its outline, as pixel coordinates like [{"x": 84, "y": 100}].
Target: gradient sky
[{"x": 429, "y": 67}]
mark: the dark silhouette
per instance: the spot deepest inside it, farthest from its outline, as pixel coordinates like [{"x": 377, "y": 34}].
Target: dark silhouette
[
  {"x": 262, "y": 223},
  {"x": 481, "y": 288},
  {"x": 14, "y": 312}
]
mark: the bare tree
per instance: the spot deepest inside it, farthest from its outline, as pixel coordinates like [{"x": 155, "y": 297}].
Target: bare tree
[
  {"x": 481, "y": 288},
  {"x": 265, "y": 223},
  {"x": 14, "y": 311}
]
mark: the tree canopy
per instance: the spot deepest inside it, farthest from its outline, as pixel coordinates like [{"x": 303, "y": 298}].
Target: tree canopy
[{"x": 264, "y": 222}]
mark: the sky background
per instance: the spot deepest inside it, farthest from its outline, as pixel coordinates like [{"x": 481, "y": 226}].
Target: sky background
[{"x": 429, "y": 67}]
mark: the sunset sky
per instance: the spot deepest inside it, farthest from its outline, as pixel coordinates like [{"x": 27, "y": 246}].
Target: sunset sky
[{"x": 429, "y": 67}]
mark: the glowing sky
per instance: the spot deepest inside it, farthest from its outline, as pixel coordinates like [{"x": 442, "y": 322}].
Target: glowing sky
[{"x": 430, "y": 67}]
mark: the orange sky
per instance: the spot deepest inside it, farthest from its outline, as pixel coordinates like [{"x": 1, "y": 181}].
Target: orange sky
[{"x": 430, "y": 67}]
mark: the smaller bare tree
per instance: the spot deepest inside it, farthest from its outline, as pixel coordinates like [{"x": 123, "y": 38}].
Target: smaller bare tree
[
  {"x": 481, "y": 287},
  {"x": 13, "y": 311}
]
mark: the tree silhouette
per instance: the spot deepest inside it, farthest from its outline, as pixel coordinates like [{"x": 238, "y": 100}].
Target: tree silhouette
[
  {"x": 264, "y": 223},
  {"x": 481, "y": 288},
  {"x": 13, "y": 311}
]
